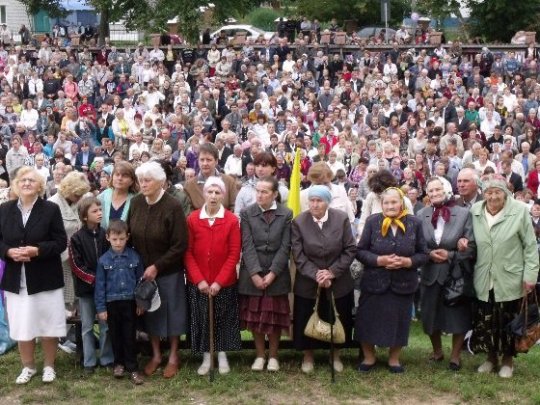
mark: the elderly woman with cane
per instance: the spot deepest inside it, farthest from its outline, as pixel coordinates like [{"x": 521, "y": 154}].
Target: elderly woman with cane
[
  {"x": 211, "y": 258},
  {"x": 323, "y": 248}
]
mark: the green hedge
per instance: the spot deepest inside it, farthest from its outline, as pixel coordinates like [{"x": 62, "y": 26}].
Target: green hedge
[{"x": 263, "y": 18}]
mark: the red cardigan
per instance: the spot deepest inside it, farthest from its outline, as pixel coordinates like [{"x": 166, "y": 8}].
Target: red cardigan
[
  {"x": 213, "y": 251},
  {"x": 532, "y": 182}
]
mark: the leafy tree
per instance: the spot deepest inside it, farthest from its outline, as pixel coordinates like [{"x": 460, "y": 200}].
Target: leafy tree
[
  {"x": 365, "y": 12},
  {"x": 499, "y": 20}
]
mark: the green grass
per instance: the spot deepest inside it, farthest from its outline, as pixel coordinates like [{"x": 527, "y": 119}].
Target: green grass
[{"x": 423, "y": 382}]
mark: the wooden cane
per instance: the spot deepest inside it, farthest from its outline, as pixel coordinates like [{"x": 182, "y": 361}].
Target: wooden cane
[
  {"x": 332, "y": 320},
  {"x": 211, "y": 333}
]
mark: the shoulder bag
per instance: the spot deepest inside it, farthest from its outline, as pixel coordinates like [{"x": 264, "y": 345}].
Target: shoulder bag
[{"x": 318, "y": 329}]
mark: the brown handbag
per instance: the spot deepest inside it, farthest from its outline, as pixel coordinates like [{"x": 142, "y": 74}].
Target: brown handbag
[
  {"x": 531, "y": 333},
  {"x": 318, "y": 329}
]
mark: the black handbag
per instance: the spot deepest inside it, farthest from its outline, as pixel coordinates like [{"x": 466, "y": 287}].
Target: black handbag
[
  {"x": 458, "y": 288},
  {"x": 526, "y": 325}
]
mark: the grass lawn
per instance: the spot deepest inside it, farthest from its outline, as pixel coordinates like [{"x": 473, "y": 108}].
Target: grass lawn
[{"x": 423, "y": 382}]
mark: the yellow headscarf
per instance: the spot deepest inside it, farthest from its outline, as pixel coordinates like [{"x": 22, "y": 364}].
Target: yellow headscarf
[{"x": 387, "y": 221}]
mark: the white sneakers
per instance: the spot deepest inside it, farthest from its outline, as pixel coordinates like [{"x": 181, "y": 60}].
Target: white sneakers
[
  {"x": 258, "y": 364},
  {"x": 307, "y": 367},
  {"x": 273, "y": 364},
  {"x": 486, "y": 367},
  {"x": 205, "y": 366},
  {"x": 26, "y": 375},
  {"x": 223, "y": 364},
  {"x": 504, "y": 371},
  {"x": 49, "y": 375}
]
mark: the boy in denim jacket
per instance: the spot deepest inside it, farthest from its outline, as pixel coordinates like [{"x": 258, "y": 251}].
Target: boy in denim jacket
[{"x": 117, "y": 273}]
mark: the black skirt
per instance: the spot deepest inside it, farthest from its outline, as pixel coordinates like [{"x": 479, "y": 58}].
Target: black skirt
[
  {"x": 226, "y": 320},
  {"x": 384, "y": 319},
  {"x": 303, "y": 309},
  {"x": 490, "y": 334},
  {"x": 439, "y": 317}
]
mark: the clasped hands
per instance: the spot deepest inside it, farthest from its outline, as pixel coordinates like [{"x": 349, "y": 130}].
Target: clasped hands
[
  {"x": 209, "y": 289},
  {"x": 23, "y": 253},
  {"x": 442, "y": 255},
  {"x": 324, "y": 278},
  {"x": 393, "y": 261},
  {"x": 262, "y": 283}
]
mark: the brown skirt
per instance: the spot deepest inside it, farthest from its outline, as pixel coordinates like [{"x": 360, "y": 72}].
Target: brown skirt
[{"x": 264, "y": 314}]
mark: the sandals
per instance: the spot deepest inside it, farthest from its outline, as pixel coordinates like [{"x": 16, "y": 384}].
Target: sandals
[
  {"x": 26, "y": 375},
  {"x": 49, "y": 375}
]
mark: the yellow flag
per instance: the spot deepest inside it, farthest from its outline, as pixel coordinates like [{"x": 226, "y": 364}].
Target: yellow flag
[{"x": 294, "y": 194}]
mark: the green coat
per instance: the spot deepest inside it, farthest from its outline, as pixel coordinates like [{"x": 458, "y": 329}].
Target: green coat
[{"x": 506, "y": 254}]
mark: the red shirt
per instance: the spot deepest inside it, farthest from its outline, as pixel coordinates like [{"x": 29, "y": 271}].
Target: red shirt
[{"x": 213, "y": 251}]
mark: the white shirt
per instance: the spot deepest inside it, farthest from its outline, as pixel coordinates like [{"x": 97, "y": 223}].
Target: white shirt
[
  {"x": 233, "y": 166},
  {"x": 320, "y": 222},
  {"x": 211, "y": 219}
]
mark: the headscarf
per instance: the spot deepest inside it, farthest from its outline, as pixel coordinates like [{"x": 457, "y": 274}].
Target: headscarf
[
  {"x": 387, "y": 221},
  {"x": 321, "y": 192},
  {"x": 443, "y": 210}
]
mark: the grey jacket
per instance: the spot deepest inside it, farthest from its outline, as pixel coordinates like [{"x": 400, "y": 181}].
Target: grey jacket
[
  {"x": 459, "y": 226},
  {"x": 332, "y": 247},
  {"x": 265, "y": 247}
]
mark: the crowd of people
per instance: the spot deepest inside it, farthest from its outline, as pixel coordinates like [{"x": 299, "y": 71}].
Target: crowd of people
[{"x": 175, "y": 167}]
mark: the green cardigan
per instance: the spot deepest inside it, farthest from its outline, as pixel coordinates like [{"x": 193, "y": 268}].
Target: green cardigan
[
  {"x": 507, "y": 254},
  {"x": 106, "y": 201}
]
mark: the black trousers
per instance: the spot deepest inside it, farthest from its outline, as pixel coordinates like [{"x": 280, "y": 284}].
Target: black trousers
[{"x": 122, "y": 320}]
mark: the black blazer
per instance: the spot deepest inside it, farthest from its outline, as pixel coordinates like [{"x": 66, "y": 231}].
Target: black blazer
[{"x": 44, "y": 229}]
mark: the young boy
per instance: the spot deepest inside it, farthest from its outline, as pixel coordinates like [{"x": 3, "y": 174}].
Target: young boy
[
  {"x": 117, "y": 273},
  {"x": 85, "y": 248}
]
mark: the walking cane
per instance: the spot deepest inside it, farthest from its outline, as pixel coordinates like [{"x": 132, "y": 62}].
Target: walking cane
[
  {"x": 211, "y": 333},
  {"x": 332, "y": 320}
]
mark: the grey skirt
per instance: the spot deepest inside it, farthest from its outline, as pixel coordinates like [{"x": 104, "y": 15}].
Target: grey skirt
[
  {"x": 439, "y": 317},
  {"x": 170, "y": 319}
]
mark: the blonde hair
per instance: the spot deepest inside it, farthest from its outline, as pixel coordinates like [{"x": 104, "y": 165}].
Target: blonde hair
[
  {"x": 23, "y": 171},
  {"x": 74, "y": 184}
]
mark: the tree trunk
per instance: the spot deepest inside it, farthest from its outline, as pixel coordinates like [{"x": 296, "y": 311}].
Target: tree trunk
[{"x": 104, "y": 31}]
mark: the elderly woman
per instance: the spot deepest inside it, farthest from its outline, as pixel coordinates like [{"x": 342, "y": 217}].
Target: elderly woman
[
  {"x": 71, "y": 189},
  {"x": 265, "y": 279},
  {"x": 321, "y": 174},
  {"x": 32, "y": 237},
  {"x": 211, "y": 258},
  {"x": 447, "y": 228},
  {"x": 159, "y": 234},
  {"x": 506, "y": 269},
  {"x": 116, "y": 199},
  {"x": 377, "y": 183},
  {"x": 391, "y": 248},
  {"x": 323, "y": 249}
]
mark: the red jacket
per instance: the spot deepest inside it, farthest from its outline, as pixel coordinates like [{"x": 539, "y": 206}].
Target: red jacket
[
  {"x": 533, "y": 181},
  {"x": 213, "y": 251}
]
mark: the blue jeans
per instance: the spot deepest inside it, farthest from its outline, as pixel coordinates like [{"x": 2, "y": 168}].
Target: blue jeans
[{"x": 88, "y": 316}]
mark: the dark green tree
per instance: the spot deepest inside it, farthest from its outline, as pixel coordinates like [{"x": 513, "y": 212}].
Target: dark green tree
[
  {"x": 365, "y": 12},
  {"x": 499, "y": 20}
]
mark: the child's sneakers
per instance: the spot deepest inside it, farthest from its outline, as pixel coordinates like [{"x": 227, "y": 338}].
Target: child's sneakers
[{"x": 136, "y": 378}]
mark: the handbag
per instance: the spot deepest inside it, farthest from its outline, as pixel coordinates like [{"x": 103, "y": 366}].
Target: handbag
[
  {"x": 526, "y": 325},
  {"x": 458, "y": 286},
  {"x": 318, "y": 329}
]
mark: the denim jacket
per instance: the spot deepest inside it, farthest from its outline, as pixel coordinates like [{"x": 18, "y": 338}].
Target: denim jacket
[{"x": 116, "y": 277}]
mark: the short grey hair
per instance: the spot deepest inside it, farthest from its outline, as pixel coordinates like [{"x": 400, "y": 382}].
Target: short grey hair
[{"x": 151, "y": 170}]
